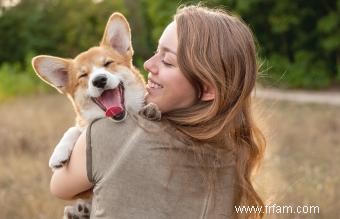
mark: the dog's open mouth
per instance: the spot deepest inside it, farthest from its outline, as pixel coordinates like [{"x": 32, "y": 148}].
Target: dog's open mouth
[{"x": 111, "y": 101}]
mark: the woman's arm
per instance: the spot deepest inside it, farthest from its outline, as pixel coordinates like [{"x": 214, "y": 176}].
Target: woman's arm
[{"x": 71, "y": 179}]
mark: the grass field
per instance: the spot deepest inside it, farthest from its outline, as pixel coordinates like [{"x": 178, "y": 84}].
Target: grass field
[{"x": 301, "y": 165}]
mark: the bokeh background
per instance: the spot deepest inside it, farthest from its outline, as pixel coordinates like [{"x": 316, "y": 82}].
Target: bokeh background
[{"x": 299, "y": 51}]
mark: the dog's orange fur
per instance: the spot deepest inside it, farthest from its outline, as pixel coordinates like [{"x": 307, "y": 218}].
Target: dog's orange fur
[
  {"x": 71, "y": 76},
  {"x": 83, "y": 64}
]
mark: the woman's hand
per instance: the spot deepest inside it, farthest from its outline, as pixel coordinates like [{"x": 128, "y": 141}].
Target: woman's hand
[{"x": 71, "y": 179}]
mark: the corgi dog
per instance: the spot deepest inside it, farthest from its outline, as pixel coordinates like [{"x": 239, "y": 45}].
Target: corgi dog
[{"x": 99, "y": 82}]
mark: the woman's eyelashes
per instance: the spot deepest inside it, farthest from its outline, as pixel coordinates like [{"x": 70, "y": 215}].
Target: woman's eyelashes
[
  {"x": 167, "y": 63},
  {"x": 162, "y": 55}
]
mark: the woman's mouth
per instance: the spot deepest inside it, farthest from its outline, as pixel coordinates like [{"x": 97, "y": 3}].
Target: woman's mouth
[{"x": 153, "y": 85}]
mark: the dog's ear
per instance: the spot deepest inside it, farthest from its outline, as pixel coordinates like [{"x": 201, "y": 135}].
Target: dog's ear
[
  {"x": 117, "y": 34},
  {"x": 52, "y": 70}
]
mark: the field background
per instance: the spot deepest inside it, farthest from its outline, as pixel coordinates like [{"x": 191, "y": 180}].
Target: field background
[
  {"x": 298, "y": 48},
  {"x": 301, "y": 166}
]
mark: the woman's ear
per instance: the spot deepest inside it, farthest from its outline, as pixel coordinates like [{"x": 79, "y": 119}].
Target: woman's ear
[{"x": 208, "y": 93}]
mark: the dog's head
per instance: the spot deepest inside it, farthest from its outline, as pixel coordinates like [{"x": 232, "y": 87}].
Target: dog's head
[{"x": 100, "y": 81}]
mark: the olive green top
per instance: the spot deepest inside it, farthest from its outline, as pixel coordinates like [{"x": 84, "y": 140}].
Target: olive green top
[{"x": 143, "y": 170}]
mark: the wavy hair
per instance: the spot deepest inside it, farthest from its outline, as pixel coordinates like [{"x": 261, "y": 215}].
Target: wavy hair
[{"x": 217, "y": 49}]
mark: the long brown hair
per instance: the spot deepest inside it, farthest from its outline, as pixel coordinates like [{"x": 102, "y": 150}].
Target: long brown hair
[{"x": 217, "y": 49}]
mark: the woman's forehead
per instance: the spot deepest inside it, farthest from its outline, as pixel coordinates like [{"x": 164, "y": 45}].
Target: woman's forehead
[{"x": 168, "y": 39}]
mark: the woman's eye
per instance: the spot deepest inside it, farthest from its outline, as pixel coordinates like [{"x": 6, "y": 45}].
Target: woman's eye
[
  {"x": 166, "y": 63},
  {"x": 108, "y": 63}
]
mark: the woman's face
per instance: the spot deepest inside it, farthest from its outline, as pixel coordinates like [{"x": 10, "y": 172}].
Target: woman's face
[{"x": 167, "y": 87}]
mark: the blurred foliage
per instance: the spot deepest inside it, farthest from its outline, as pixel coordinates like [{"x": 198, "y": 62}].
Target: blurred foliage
[
  {"x": 56, "y": 27},
  {"x": 20, "y": 79},
  {"x": 298, "y": 41}
]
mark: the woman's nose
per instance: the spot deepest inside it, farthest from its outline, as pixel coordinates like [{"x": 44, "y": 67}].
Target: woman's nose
[{"x": 150, "y": 66}]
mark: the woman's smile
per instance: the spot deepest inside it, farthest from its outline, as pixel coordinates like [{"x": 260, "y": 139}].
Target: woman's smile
[
  {"x": 153, "y": 85},
  {"x": 167, "y": 87}
]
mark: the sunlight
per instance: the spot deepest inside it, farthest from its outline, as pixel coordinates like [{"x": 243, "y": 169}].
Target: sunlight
[{"x": 9, "y": 3}]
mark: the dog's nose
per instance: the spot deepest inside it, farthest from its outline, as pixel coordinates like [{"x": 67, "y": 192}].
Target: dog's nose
[{"x": 99, "y": 81}]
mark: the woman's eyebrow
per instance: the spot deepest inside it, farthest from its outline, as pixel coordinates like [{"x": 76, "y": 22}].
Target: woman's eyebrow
[{"x": 166, "y": 49}]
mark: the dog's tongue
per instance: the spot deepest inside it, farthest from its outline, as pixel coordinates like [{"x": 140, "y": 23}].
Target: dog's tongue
[{"x": 112, "y": 101}]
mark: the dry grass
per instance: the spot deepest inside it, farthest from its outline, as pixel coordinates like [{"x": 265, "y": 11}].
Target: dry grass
[
  {"x": 302, "y": 159},
  {"x": 300, "y": 168},
  {"x": 29, "y": 129}
]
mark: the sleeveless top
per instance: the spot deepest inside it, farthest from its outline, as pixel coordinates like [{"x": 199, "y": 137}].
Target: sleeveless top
[{"x": 141, "y": 170}]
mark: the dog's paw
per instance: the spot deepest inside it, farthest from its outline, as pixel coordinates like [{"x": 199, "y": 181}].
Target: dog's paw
[
  {"x": 81, "y": 210},
  {"x": 151, "y": 112},
  {"x": 59, "y": 158},
  {"x": 62, "y": 151}
]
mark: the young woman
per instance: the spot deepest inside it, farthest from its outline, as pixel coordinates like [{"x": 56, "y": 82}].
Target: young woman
[{"x": 197, "y": 161}]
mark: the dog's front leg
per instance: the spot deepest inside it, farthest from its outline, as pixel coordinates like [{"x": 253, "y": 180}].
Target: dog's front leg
[{"x": 63, "y": 150}]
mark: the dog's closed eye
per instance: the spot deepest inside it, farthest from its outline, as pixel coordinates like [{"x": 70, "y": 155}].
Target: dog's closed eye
[
  {"x": 83, "y": 75},
  {"x": 108, "y": 63},
  {"x": 83, "y": 72}
]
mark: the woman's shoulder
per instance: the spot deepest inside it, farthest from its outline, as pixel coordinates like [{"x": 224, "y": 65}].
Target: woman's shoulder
[
  {"x": 133, "y": 122},
  {"x": 131, "y": 119},
  {"x": 137, "y": 126}
]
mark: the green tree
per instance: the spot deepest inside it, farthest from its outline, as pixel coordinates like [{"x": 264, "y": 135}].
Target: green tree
[
  {"x": 57, "y": 27},
  {"x": 298, "y": 40}
]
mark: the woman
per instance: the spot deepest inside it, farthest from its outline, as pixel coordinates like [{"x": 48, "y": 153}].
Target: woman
[{"x": 198, "y": 160}]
